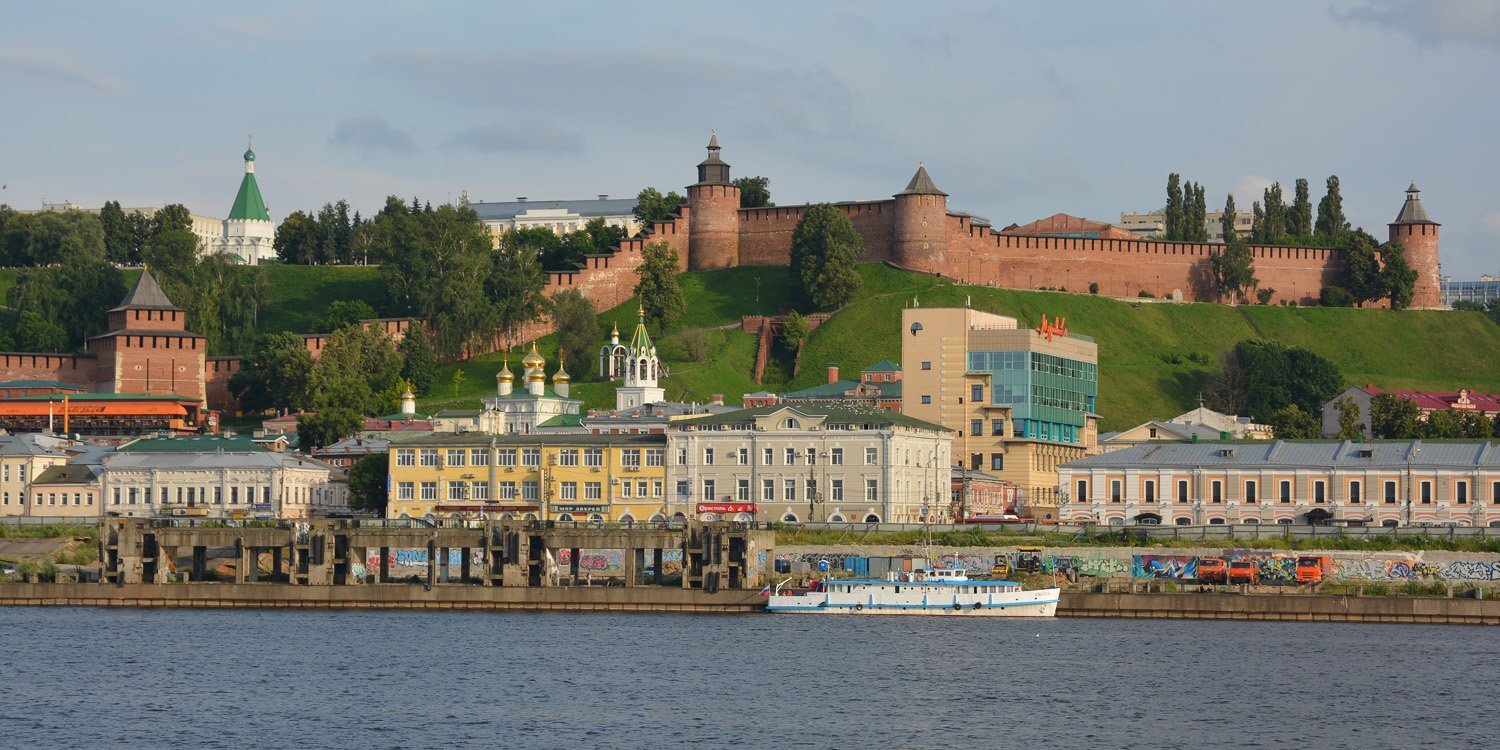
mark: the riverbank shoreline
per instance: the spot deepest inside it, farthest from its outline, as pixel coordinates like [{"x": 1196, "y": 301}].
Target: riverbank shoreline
[{"x": 1156, "y": 605}]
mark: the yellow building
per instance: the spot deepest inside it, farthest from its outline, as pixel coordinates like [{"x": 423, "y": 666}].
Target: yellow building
[{"x": 552, "y": 476}]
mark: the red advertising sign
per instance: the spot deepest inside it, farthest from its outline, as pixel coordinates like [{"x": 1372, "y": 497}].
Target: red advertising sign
[{"x": 726, "y": 507}]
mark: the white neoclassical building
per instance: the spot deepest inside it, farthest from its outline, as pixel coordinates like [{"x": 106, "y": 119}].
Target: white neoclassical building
[
  {"x": 154, "y": 480},
  {"x": 808, "y": 462}
]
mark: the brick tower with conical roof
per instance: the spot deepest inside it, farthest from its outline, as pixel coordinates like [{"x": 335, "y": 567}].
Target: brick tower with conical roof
[
  {"x": 919, "y": 240},
  {"x": 148, "y": 348},
  {"x": 713, "y": 214},
  {"x": 1418, "y": 234}
]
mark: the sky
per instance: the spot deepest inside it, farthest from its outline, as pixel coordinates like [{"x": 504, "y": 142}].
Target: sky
[{"x": 1019, "y": 110}]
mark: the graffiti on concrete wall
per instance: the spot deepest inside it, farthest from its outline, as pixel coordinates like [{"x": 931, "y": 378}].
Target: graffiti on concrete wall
[{"x": 1164, "y": 566}]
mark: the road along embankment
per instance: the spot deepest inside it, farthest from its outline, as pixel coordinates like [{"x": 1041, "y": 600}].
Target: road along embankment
[
  {"x": 1282, "y": 607},
  {"x": 442, "y": 597}
]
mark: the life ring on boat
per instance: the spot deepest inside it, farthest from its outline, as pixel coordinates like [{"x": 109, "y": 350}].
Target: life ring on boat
[
  {"x": 906, "y": 576},
  {"x": 921, "y": 576},
  {"x": 958, "y": 607},
  {"x": 859, "y": 608},
  {"x": 977, "y": 605}
]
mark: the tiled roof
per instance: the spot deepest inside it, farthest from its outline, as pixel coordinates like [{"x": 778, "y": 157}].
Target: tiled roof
[
  {"x": 1443, "y": 400},
  {"x": 921, "y": 184},
  {"x": 842, "y": 413},
  {"x": 1412, "y": 211},
  {"x": 1289, "y": 454},
  {"x": 146, "y": 295},
  {"x": 883, "y": 365},
  {"x": 194, "y": 444},
  {"x": 42, "y": 384},
  {"x": 437, "y": 439},
  {"x": 68, "y": 474}
]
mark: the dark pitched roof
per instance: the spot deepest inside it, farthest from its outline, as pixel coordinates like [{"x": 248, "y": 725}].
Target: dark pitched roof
[
  {"x": 68, "y": 474},
  {"x": 883, "y": 365},
  {"x": 1412, "y": 211},
  {"x": 921, "y": 184},
  {"x": 146, "y": 295}
]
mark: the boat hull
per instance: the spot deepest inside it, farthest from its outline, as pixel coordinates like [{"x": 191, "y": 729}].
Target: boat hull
[{"x": 1035, "y": 603}]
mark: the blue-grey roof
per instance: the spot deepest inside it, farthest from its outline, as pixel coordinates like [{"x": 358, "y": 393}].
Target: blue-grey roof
[
  {"x": 586, "y": 208},
  {"x": 1285, "y": 454}
]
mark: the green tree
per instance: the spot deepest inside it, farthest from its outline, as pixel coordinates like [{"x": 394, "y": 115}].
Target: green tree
[
  {"x": 1299, "y": 220},
  {"x": 1264, "y": 376},
  {"x": 1394, "y": 417},
  {"x": 276, "y": 374},
  {"x": 358, "y": 370},
  {"x": 1198, "y": 229},
  {"x": 1227, "y": 219},
  {"x": 1174, "y": 218},
  {"x": 37, "y": 334},
  {"x": 172, "y": 218},
  {"x": 755, "y": 192},
  {"x": 119, "y": 239},
  {"x": 578, "y": 331},
  {"x": 1331, "y": 225},
  {"x": 1232, "y": 270},
  {"x": 660, "y": 294},
  {"x": 1442, "y": 423},
  {"x": 1291, "y": 422},
  {"x": 434, "y": 265},
  {"x": 343, "y": 312},
  {"x": 296, "y": 238},
  {"x": 824, "y": 254},
  {"x": 418, "y": 361},
  {"x": 794, "y": 330},
  {"x": 1271, "y": 228},
  {"x": 651, "y": 206},
  {"x": 1335, "y": 296},
  {"x": 515, "y": 283},
  {"x": 1474, "y": 425},
  {"x": 458, "y": 382},
  {"x": 1397, "y": 277},
  {"x": 172, "y": 257},
  {"x": 1361, "y": 270},
  {"x": 1350, "y": 427},
  {"x": 367, "y": 483},
  {"x": 320, "y": 430}
]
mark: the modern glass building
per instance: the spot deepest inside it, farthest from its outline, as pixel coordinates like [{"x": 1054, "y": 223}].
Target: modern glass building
[
  {"x": 1483, "y": 291},
  {"x": 1050, "y": 396}
]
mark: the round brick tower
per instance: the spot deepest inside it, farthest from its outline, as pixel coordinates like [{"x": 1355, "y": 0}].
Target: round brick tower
[
  {"x": 1419, "y": 235},
  {"x": 714, "y": 215},
  {"x": 918, "y": 240}
]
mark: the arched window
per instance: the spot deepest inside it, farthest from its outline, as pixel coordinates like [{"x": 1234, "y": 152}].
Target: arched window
[
  {"x": 565, "y": 518},
  {"x": 1183, "y": 521},
  {"x": 658, "y": 518},
  {"x": 596, "y": 518},
  {"x": 679, "y": 517},
  {"x": 530, "y": 517},
  {"x": 872, "y": 518},
  {"x": 789, "y": 518},
  {"x": 835, "y": 518},
  {"x": 1215, "y": 522},
  {"x": 627, "y": 518},
  {"x": 791, "y": 424}
]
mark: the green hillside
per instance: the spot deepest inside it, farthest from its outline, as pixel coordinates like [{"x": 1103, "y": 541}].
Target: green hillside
[{"x": 1154, "y": 357}]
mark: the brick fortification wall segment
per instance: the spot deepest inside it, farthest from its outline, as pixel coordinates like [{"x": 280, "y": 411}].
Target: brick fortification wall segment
[
  {"x": 74, "y": 369},
  {"x": 766, "y": 233},
  {"x": 715, "y": 228},
  {"x": 1421, "y": 244}
]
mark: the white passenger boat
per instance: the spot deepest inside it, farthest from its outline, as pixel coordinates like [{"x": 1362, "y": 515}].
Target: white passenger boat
[{"x": 941, "y": 591}]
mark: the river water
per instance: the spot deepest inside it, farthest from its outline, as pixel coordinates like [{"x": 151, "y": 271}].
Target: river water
[{"x": 104, "y": 678}]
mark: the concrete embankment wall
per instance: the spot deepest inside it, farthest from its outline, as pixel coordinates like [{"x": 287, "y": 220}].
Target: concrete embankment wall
[
  {"x": 442, "y": 597},
  {"x": 1295, "y": 607}
]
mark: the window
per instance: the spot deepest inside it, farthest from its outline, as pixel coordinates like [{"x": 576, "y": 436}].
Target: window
[
  {"x": 872, "y": 455},
  {"x": 429, "y": 491},
  {"x": 767, "y": 456},
  {"x": 997, "y": 427},
  {"x": 456, "y": 456},
  {"x": 429, "y": 457},
  {"x": 789, "y": 490},
  {"x": 530, "y": 490},
  {"x": 767, "y": 490},
  {"x": 682, "y": 456},
  {"x": 742, "y": 457},
  {"x": 116, "y": 498},
  {"x": 742, "y": 490},
  {"x": 507, "y": 490},
  {"x": 1355, "y": 494},
  {"x": 997, "y": 462},
  {"x": 1461, "y": 493},
  {"x": 1114, "y": 491},
  {"x": 656, "y": 486},
  {"x": 1319, "y": 492},
  {"x": 708, "y": 489},
  {"x": 791, "y": 424},
  {"x": 812, "y": 456},
  {"x": 406, "y": 457},
  {"x": 1390, "y": 492},
  {"x": 1286, "y": 491},
  {"x": 976, "y": 427},
  {"x": 836, "y": 490},
  {"x": 567, "y": 457},
  {"x": 975, "y": 459},
  {"x": 531, "y": 457},
  {"x": 479, "y": 457},
  {"x": 479, "y": 490},
  {"x": 1216, "y": 491},
  {"x": 791, "y": 456},
  {"x": 568, "y": 490},
  {"x": 506, "y": 457},
  {"x": 1150, "y": 490},
  {"x": 682, "y": 488},
  {"x": 457, "y": 490},
  {"x": 593, "y": 491},
  {"x": 812, "y": 490},
  {"x": 593, "y": 457},
  {"x": 927, "y": 365},
  {"x": 1252, "y": 491},
  {"x": 1495, "y": 493},
  {"x": 1427, "y": 493},
  {"x": 976, "y": 393},
  {"x": 1182, "y": 491},
  {"x": 656, "y": 456},
  {"x": 1082, "y": 490},
  {"x": 836, "y": 458},
  {"x": 626, "y": 488},
  {"x": 926, "y": 399},
  {"x": 708, "y": 456},
  {"x": 872, "y": 490},
  {"x": 630, "y": 458},
  {"x": 218, "y": 496}
]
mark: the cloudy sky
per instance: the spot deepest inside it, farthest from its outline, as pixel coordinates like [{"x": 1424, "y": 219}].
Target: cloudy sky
[{"x": 1019, "y": 110}]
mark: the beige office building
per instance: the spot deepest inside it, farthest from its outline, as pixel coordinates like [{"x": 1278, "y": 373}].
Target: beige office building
[{"x": 1020, "y": 398}]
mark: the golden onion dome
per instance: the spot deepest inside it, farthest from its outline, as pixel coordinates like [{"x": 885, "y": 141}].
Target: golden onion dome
[
  {"x": 533, "y": 358},
  {"x": 505, "y": 376}
]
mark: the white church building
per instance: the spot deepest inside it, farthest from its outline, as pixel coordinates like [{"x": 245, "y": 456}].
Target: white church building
[
  {"x": 637, "y": 364},
  {"x": 248, "y": 232}
]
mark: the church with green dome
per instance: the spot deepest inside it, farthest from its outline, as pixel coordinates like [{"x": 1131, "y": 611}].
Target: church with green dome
[{"x": 249, "y": 233}]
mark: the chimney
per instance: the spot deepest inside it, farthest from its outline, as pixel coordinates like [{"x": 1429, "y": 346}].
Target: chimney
[
  {"x": 833, "y": 372},
  {"x": 718, "y": 399}
]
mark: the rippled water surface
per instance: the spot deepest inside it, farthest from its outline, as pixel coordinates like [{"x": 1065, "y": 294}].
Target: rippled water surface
[{"x": 268, "y": 679}]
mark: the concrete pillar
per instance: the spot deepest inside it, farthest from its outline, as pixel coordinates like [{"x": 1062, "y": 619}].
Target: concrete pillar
[
  {"x": 573, "y": 564},
  {"x": 465, "y": 558},
  {"x": 632, "y": 566},
  {"x": 253, "y": 568},
  {"x": 384, "y": 575},
  {"x": 431, "y": 562},
  {"x": 200, "y": 563},
  {"x": 275, "y": 563},
  {"x": 241, "y": 561},
  {"x": 656, "y": 574}
]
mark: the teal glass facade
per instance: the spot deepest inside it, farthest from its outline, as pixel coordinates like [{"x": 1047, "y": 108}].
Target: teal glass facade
[{"x": 1049, "y": 395}]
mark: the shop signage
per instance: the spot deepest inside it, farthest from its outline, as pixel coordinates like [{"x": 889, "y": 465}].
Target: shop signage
[
  {"x": 726, "y": 507},
  {"x": 576, "y": 508}
]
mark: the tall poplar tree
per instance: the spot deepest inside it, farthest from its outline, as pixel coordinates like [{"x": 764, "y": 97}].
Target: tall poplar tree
[
  {"x": 1299, "y": 222},
  {"x": 1331, "y": 226},
  {"x": 1227, "y": 219},
  {"x": 1174, "y": 207}
]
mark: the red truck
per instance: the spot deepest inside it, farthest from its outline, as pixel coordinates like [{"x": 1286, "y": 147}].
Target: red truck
[
  {"x": 1313, "y": 568},
  {"x": 1242, "y": 571},
  {"x": 1213, "y": 570}
]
